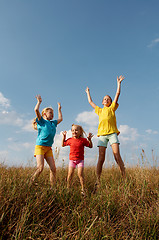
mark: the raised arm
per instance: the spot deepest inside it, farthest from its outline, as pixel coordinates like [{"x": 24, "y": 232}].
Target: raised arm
[
  {"x": 64, "y": 138},
  {"x": 119, "y": 80},
  {"x": 36, "y": 109},
  {"x": 90, "y": 135},
  {"x": 90, "y": 99},
  {"x": 60, "y": 118}
]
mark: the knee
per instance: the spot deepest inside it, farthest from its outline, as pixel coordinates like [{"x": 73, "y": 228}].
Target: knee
[
  {"x": 40, "y": 168},
  {"x": 80, "y": 175}
]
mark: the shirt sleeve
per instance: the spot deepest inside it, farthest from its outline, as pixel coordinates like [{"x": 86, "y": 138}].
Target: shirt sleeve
[
  {"x": 86, "y": 142},
  {"x": 97, "y": 110},
  {"x": 54, "y": 122},
  {"x": 41, "y": 121},
  {"x": 114, "y": 106},
  {"x": 67, "y": 142}
]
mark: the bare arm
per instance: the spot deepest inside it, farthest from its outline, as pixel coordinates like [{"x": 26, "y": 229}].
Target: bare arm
[
  {"x": 60, "y": 118},
  {"x": 64, "y": 138},
  {"x": 90, "y": 99},
  {"x": 36, "y": 109},
  {"x": 90, "y": 135},
  {"x": 119, "y": 80}
]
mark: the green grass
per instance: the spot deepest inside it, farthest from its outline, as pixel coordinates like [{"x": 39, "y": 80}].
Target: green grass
[{"x": 119, "y": 210}]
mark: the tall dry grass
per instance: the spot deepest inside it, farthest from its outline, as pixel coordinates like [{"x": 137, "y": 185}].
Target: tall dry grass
[{"x": 119, "y": 210}]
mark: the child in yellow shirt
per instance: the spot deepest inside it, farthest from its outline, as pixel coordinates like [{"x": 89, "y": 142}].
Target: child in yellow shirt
[{"x": 107, "y": 129}]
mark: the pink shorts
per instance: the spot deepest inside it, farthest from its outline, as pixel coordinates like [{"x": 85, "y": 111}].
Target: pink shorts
[{"x": 78, "y": 163}]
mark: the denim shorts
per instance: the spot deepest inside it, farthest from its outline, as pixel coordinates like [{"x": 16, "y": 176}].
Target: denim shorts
[{"x": 104, "y": 139}]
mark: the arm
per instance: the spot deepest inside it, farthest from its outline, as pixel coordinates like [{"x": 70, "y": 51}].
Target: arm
[
  {"x": 90, "y": 99},
  {"x": 64, "y": 138},
  {"x": 60, "y": 118},
  {"x": 90, "y": 135},
  {"x": 36, "y": 109},
  {"x": 119, "y": 80}
]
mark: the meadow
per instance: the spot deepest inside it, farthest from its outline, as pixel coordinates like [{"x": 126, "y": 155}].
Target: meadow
[{"x": 119, "y": 210}]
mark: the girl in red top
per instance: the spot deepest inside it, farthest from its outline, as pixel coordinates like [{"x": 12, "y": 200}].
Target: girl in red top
[{"x": 76, "y": 156}]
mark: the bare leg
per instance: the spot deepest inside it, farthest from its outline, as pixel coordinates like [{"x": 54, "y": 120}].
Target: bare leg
[
  {"x": 70, "y": 176},
  {"x": 118, "y": 159},
  {"x": 40, "y": 167},
  {"x": 101, "y": 159},
  {"x": 81, "y": 177},
  {"x": 51, "y": 163}
]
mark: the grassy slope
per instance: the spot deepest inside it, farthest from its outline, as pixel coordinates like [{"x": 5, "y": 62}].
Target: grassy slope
[{"x": 120, "y": 210}]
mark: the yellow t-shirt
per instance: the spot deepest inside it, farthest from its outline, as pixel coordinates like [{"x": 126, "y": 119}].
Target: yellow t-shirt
[{"x": 107, "y": 119}]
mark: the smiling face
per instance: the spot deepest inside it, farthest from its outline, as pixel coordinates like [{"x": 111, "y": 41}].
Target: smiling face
[
  {"x": 107, "y": 101},
  {"x": 49, "y": 114},
  {"x": 76, "y": 131}
]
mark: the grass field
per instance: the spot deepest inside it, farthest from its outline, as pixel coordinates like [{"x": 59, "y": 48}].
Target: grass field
[{"x": 119, "y": 210}]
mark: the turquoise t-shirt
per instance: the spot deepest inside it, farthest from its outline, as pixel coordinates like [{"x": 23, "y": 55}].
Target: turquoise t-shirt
[{"x": 46, "y": 132}]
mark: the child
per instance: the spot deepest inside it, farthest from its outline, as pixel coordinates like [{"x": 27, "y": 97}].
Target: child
[
  {"x": 107, "y": 129},
  {"x": 76, "y": 156},
  {"x": 46, "y": 132}
]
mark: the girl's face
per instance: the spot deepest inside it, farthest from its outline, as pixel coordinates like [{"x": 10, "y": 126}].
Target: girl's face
[
  {"x": 76, "y": 132},
  {"x": 107, "y": 101},
  {"x": 49, "y": 114}
]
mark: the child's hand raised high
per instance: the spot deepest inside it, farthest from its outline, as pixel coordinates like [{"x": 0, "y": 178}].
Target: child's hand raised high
[
  {"x": 39, "y": 99},
  {"x": 120, "y": 79},
  {"x": 59, "y": 106},
  {"x": 87, "y": 90}
]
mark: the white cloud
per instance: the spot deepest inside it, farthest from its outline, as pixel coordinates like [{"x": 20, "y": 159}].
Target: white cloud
[
  {"x": 4, "y": 102},
  {"x": 153, "y": 43},
  {"x": 88, "y": 118},
  {"x": 17, "y": 147},
  {"x": 28, "y": 126},
  {"x": 89, "y": 121},
  {"x": 128, "y": 134},
  {"x": 10, "y": 118},
  {"x": 150, "y": 131}
]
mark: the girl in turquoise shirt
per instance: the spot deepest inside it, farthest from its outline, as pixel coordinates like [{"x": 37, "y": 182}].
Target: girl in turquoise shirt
[{"x": 46, "y": 133}]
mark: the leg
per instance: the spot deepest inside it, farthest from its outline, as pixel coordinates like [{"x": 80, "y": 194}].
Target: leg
[
  {"x": 51, "y": 163},
  {"x": 118, "y": 159},
  {"x": 81, "y": 177},
  {"x": 70, "y": 175},
  {"x": 40, "y": 167},
  {"x": 101, "y": 159}
]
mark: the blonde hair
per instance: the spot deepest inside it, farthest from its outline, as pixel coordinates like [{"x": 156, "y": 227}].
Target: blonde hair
[
  {"x": 81, "y": 129},
  {"x": 45, "y": 110},
  {"x": 34, "y": 123}
]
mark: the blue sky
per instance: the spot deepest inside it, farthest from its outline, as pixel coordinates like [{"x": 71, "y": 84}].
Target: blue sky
[{"x": 57, "y": 49}]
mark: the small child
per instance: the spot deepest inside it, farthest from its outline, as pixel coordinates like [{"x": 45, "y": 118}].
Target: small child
[
  {"x": 46, "y": 133},
  {"x": 107, "y": 129},
  {"x": 76, "y": 156}
]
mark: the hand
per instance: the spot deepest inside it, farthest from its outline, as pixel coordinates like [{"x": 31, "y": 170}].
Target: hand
[
  {"x": 39, "y": 99},
  {"x": 59, "y": 106},
  {"x": 120, "y": 79},
  {"x": 64, "y": 133},
  {"x": 87, "y": 90},
  {"x": 90, "y": 135}
]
